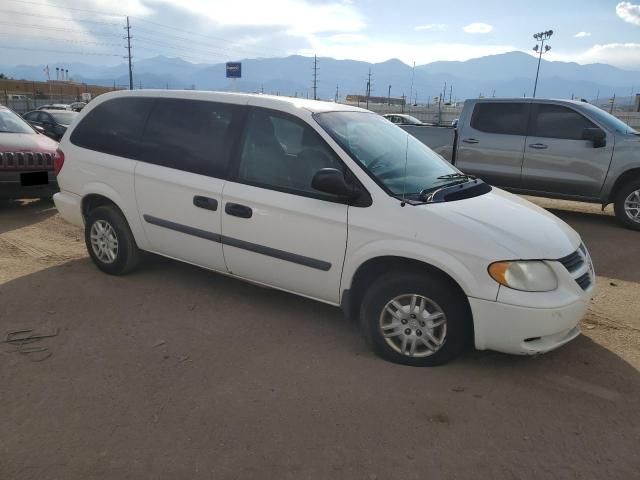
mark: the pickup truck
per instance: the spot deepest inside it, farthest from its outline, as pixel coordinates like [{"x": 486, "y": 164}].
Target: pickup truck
[{"x": 549, "y": 148}]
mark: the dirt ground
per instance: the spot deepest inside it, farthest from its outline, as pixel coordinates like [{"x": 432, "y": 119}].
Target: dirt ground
[{"x": 175, "y": 372}]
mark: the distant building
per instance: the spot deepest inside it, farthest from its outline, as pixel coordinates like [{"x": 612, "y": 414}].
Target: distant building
[
  {"x": 637, "y": 106},
  {"x": 382, "y": 100}
]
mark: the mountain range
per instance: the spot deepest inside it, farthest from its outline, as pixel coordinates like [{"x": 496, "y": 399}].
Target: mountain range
[{"x": 505, "y": 75}]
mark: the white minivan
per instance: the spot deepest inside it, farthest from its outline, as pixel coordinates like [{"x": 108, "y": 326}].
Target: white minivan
[{"x": 330, "y": 202}]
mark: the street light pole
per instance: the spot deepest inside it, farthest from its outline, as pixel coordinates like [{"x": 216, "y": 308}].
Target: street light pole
[{"x": 540, "y": 38}]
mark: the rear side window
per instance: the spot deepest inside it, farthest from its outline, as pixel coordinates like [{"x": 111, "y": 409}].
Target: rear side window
[
  {"x": 501, "y": 118},
  {"x": 556, "y": 121},
  {"x": 114, "y": 127},
  {"x": 190, "y": 135}
]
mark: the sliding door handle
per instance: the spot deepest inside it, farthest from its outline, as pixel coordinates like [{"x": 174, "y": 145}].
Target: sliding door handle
[
  {"x": 237, "y": 210},
  {"x": 538, "y": 146},
  {"x": 471, "y": 140},
  {"x": 205, "y": 202}
]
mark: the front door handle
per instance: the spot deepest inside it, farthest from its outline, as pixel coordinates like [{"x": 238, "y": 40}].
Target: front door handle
[
  {"x": 538, "y": 146},
  {"x": 205, "y": 202},
  {"x": 471, "y": 140},
  {"x": 237, "y": 210}
]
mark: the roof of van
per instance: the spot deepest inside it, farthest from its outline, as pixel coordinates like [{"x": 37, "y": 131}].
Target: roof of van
[
  {"x": 273, "y": 101},
  {"x": 526, "y": 99}
]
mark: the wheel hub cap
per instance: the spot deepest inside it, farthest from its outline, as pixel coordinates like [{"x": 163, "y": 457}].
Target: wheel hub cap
[
  {"x": 104, "y": 241},
  {"x": 413, "y": 325},
  {"x": 632, "y": 206}
]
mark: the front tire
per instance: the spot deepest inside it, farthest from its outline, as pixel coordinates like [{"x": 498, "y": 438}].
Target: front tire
[
  {"x": 417, "y": 319},
  {"x": 110, "y": 242},
  {"x": 627, "y": 205}
]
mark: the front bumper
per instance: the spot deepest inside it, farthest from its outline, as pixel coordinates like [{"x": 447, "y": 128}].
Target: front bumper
[
  {"x": 11, "y": 187},
  {"x": 525, "y": 330}
]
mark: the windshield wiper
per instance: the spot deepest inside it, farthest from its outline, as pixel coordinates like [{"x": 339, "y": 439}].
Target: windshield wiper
[{"x": 456, "y": 175}]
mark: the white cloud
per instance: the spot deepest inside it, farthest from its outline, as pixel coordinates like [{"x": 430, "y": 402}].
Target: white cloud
[
  {"x": 478, "y": 27},
  {"x": 299, "y": 17},
  {"x": 629, "y": 12},
  {"x": 431, "y": 26},
  {"x": 582, "y": 34},
  {"x": 373, "y": 50},
  {"x": 623, "y": 55},
  {"x": 619, "y": 54}
]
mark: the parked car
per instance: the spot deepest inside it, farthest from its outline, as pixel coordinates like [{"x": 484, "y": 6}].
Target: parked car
[
  {"x": 26, "y": 159},
  {"x": 53, "y": 122},
  {"x": 55, "y": 106},
  {"x": 402, "y": 119},
  {"x": 77, "y": 106},
  {"x": 326, "y": 201},
  {"x": 550, "y": 148}
]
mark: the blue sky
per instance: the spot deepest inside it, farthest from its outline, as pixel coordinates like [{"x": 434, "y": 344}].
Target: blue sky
[{"x": 586, "y": 31}]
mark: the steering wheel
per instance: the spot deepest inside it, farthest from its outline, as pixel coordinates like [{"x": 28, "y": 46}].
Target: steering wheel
[{"x": 376, "y": 162}]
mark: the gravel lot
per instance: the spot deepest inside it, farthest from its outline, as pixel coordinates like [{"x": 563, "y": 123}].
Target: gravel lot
[{"x": 176, "y": 372}]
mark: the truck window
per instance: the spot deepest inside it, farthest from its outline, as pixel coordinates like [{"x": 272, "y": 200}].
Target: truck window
[
  {"x": 500, "y": 117},
  {"x": 556, "y": 121}
]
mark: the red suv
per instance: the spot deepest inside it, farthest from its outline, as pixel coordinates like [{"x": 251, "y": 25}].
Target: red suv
[{"x": 27, "y": 159}]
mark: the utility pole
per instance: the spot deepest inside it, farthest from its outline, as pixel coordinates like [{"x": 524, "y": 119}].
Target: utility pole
[
  {"x": 451, "y": 93},
  {"x": 315, "y": 77},
  {"x": 337, "y": 94},
  {"x": 368, "y": 88},
  {"x": 540, "y": 37},
  {"x": 413, "y": 74},
  {"x": 389, "y": 96},
  {"x": 128, "y": 28},
  {"x": 612, "y": 102}
]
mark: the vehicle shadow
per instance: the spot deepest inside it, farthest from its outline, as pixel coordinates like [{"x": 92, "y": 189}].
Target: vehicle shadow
[
  {"x": 148, "y": 368},
  {"x": 16, "y": 214}
]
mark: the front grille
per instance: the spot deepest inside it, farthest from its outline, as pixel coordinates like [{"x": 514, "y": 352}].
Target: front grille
[
  {"x": 577, "y": 264},
  {"x": 26, "y": 161},
  {"x": 572, "y": 262},
  {"x": 584, "y": 281}
]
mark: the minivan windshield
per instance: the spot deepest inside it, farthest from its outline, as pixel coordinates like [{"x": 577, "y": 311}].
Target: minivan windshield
[
  {"x": 608, "y": 120},
  {"x": 396, "y": 159}
]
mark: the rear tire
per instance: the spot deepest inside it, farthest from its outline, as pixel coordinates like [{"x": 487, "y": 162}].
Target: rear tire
[
  {"x": 417, "y": 319},
  {"x": 110, "y": 242},
  {"x": 627, "y": 205}
]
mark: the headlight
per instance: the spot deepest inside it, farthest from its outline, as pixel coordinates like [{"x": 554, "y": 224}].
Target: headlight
[{"x": 533, "y": 276}]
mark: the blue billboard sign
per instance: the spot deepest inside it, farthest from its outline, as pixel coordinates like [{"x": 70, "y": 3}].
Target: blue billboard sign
[{"x": 234, "y": 69}]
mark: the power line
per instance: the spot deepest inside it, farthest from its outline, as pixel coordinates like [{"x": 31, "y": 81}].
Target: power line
[
  {"x": 82, "y": 42},
  {"x": 191, "y": 42},
  {"x": 13, "y": 47},
  {"x": 51, "y": 5},
  {"x": 206, "y": 36},
  {"x": 182, "y": 47},
  {"x": 58, "y": 29},
  {"x": 58, "y": 18}
]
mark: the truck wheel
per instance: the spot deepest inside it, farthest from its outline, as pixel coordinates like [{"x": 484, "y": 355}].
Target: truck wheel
[
  {"x": 415, "y": 319},
  {"x": 110, "y": 242},
  {"x": 627, "y": 205}
]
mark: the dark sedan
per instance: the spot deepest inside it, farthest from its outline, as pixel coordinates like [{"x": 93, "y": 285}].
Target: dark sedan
[{"x": 53, "y": 122}]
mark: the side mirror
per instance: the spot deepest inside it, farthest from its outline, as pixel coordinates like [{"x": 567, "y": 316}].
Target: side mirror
[
  {"x": 595, "y": 135},
  {"x": 332, "y": 181}
]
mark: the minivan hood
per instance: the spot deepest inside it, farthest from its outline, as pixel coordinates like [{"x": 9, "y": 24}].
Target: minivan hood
[{"x": 523, "y": 230}]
